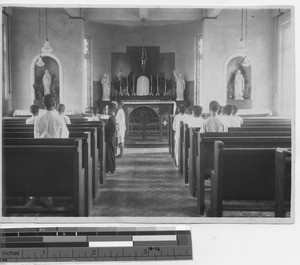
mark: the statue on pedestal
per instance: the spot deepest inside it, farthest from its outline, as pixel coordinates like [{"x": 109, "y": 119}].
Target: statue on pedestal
[
  {"x": 239, "y": 85},
  {"x": 180, "y": 86},
  {"x": 47, "y": 82},
  {"x": 106, "y": 86}
]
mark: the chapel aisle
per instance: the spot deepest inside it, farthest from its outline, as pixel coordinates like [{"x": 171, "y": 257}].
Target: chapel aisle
[{"x": 147, "y": 184}]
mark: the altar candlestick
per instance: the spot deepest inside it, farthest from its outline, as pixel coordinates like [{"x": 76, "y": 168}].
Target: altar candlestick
[
  {"x": 151, "y": 82},
  {"x": 133, "y": 92},
  {"x": 165, "y": 93},
  {"x": 157, "y": 86}
]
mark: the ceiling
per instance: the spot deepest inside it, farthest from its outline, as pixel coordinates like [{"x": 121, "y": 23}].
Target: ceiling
[{"x": 134, "y": 16}]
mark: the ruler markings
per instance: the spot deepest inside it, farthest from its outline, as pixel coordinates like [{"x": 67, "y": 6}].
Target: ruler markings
[{"x": 95, "y": 243}]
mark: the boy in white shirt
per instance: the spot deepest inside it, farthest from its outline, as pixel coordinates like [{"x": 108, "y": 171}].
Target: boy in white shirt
[
  {"x": 120, "y": 127},
  {"x": 50, "y": 124},
  {"x": 61, "y": 111},
  {"x": 34, "y": 109},
  {"x": 197, "y": 121},
  {"x": 214, "y": 123},
  {"x": 95, "y": 116},
  {"x": 181, "y": 116}
]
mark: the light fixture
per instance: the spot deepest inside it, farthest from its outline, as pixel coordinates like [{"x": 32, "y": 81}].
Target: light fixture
[
  {"x": 246, "y": 62},
  {"x": 40, "y": 62},
  {"x": 242, "y": 46},
  {"x": 47, "y": 48}
]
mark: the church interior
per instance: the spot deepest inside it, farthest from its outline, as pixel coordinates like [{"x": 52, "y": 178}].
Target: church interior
[{"x": 153, "y": 60}]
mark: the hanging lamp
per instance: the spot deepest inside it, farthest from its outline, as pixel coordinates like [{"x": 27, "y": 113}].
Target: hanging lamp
[
  {"x": 246, "y": 62},
  {"x": 40, "y": 62},
  {"x": 47, "y": 48},
  {"x": 242, "y": 46}
]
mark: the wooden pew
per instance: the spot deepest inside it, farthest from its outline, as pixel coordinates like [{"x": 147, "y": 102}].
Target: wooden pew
[
  {"x": 180, "y": 148},
  {"x": 171, "y": 135},
  {"x": 185, "y": 152},
  {"x": 260, "y": 128},
  {"x": 81, "y": 123},
  {"x": 205, "y": 155},
  {"x": 93, "y": 151},
  {"x": 242, "y": 174},
  {"x": 282, "y": 181},
  {"x": 192, "y": 177},
  {"x": 101, "y": 143},
  {"x": 91, "y": 182},
  {"x": 28, "y": 173}
]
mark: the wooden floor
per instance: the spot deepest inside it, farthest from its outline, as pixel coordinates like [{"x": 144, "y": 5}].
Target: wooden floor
[{"x": 148, "y": 184}]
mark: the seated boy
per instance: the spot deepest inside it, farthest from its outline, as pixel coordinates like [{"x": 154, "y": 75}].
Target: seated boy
[
  {"x": 214, "y": 123},
  {"x": 197, "y": 121},
  {"x": 95, "y": 116},
  {"x": 34, "y": 109},
  {"x": 61, "y": 111},
  {"x": 238, "y": 118}
]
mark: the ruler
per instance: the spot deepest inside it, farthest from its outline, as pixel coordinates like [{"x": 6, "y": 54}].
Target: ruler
[{"x": 51, "y": 244}]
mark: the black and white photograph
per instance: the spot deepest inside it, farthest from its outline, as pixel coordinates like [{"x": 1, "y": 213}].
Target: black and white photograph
[
  {"x": 148, "y": 112},
  {"x": 152, "y": 116}
]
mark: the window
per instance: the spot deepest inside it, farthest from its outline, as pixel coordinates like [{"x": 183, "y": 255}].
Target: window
[
  {"x": 285, "y": 73},
  {"x": 199, "y": 50},
  {"x": 87, "y": 76},
  {"x": 5, "y": 64}
]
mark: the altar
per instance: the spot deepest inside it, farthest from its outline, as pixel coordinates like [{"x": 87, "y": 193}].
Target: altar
[{"x": 147, "y": 120}]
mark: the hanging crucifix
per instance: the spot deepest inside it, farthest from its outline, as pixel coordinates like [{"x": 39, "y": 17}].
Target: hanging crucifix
[
  {"x": 143, "y": 57},
  {"x": 143, "y": 60}
]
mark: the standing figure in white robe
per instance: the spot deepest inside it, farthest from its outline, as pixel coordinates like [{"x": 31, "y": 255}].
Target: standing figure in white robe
[
  {"x": 106, "y": 85},
  {"x": 180, "y": 86},
  {"x": 120, "y": 127},
  {"x": 47, "y": 82},
  {"x": 239, "y": 85}
]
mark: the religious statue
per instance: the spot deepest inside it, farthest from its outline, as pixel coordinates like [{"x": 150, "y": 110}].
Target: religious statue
[
  {"x": 239, "y": 85},
  {"x": 47, "y": 82},
  {"x": 106, "y": 85},
  {"x": 180, "y": 86}
]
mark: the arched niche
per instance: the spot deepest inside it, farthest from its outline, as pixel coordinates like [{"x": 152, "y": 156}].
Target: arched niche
[
  {"x": 239, "y": 86},
  {"x": 54, "y": 66}
]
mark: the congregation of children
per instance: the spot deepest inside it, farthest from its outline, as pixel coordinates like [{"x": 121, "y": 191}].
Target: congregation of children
[{"x": 219, "y": 119}]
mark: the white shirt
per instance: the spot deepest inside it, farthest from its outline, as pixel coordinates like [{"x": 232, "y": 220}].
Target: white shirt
[
  {"x": 197, "y": 122},
  {"x": 65, "y": 118},
  {"x": 120, "y": 120},
  {"x": 176, "y": 123},
  {"x": 50, "y": 125},
  {"x": 31, "y": 120}
]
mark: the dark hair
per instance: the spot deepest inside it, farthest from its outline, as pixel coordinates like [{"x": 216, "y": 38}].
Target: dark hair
[
  {"x": 112, "y": 107},
  {"x": 34, "y": 109},
  {"x": 120, "y": 103},
  {"x": 214, "y": 106},
  {"x": 235, "y": 109},
  {"x": 190, "y": 110},
  {"x": 95, "y": 110},
  {"x": 197, "y": 111},
  {"x": 221, "y": 110},
  {"x": 181, "y": 109},
  {"x": 228, "y": 109},
  {"x": 60, "y": 108},
  {"x": 49, "y": 101}
]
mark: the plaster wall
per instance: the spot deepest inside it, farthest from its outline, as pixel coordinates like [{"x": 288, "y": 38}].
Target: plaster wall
[
  {"x": 221, "y": 39},
  {"x": 173, "y": 38},
  {"x": 66, "y": 39}
]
